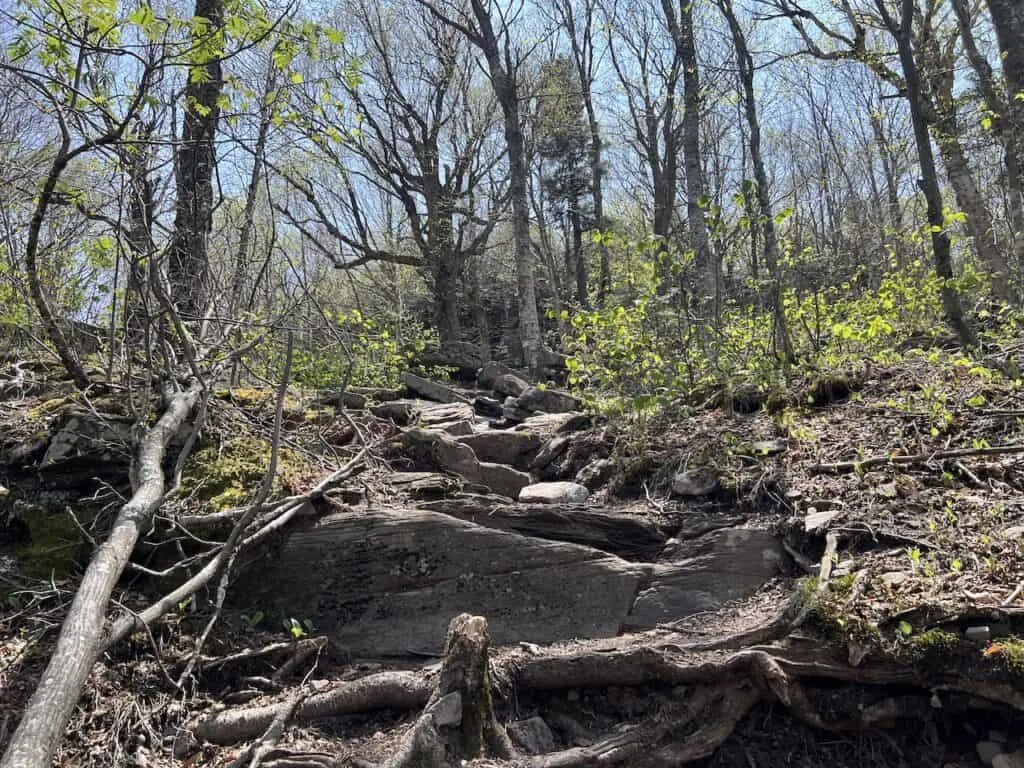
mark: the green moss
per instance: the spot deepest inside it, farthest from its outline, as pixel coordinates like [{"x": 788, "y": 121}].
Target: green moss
[
  {"x": 245, "y": 396},
  {"x": 49, "y": 407},
  {"x": 843, "y": 585},
  {"x": 54, "y": 546},
  {"x": 226, "y": 476},
  {"x": 935, "y": 640}
]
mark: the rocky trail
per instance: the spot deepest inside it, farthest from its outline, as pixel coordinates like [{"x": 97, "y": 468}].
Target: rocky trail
[{"x": 825, "y": 574}]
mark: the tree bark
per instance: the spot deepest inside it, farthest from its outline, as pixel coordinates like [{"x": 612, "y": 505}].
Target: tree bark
[
  {"x": 902, "y": 30},
  {"x": 188, "y": 260},
  {"x": 502, "y": 71},
  {"x": 1008, "y": 20},
  {"x": 705, "y": 265},
  {"x": 80, "y": 642},
  {"x": 781, "y": 338}
]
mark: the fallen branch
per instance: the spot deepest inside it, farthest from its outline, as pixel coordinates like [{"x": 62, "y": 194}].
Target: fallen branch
[
  {"x": 844, "y": 467},
  {"x": 81, "y": 636},
  {"x": 125, "y": 625}
]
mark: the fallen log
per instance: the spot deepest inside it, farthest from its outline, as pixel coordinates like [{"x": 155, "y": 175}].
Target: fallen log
[{"x": 81, "y": 637}]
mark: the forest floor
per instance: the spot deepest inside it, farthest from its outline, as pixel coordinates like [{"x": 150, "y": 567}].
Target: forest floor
[{"x": 899, "y": 494}]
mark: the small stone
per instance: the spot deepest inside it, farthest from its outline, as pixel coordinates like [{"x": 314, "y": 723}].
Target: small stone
[
  {"x": 887, "y": 491},
  {"x": 893, "y": 579},
  {"x": 980, "y": 634},
  {"x": 532, "y": 735},
  {"x": 554, "y": 493},
  {"x": 769, "y": 447},
  {"x": 988, "y": 751},
  {"x": 817, "y": 521},
  {"x": 695, "y": 482},
  {"x": 997, "y": 736}
]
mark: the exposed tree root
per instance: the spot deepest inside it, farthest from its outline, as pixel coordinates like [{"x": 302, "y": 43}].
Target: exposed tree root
[{"x": 711, "y": 693}]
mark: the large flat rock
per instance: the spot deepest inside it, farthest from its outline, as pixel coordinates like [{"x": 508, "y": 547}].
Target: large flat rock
[
  {"x": 387, "y": 582},
  {"x": 706, "y": 573}
]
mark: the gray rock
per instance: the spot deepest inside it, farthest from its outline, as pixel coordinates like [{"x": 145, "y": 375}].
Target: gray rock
[
  {"x": 548, "y": 400},
  {"x": 554, "y": 493},
  {"x": 434, "y": 415},
  {"x": 979, "y": 634},
  {"x": 453, "y": 456},
  {"x": 510, "y": 385},
  {"x": 1014, "y": 532},
  {"x": 595, "y": 474},
  {"x": 987, "y": 751},
  {"x": 502, "y": 446},
  {"x": 893, "y": 579},
  {"x": 818, "y": 521},
  {"x": 552, "y": 449},
  {"x": 532, "y": 735},
  {"x": 388, "y": 581},
  {"x": 1014, "y": 760},
  {"x": 432, "y": 390},
  {"x": 695, "y": 482},
  {"x": 487, "y": 375},
  {"x": 706, "y": 573},
  {"x": 502, "y": 479}
]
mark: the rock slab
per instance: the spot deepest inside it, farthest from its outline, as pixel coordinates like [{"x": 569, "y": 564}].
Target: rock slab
[{"x": 388, "y": 582}]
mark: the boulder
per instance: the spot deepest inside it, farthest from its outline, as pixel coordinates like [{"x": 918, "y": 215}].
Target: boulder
[
  {"x": 388, "y": 581},
  {"x": 554, "y": 493},
  {"x": 401, "y": 412},
  {"x": 462, "y": 358},
  {"x": 706, "y": 573},
  {"x": 551, "y": 451},
  {"x": 532, "y": 735},
  {"x": 488, "y": 406},
  {"x": 510, "y": 385},
  {"x": 547, "y": 400},
  {"x": 503, "y": 447},
  {"x": 444, "y": 416},
  {"x": 449, "y": 455},
  {"x": 695, "y": 482},
  {"x": 502, "y": 479},
  {"x": 432, "y": 390},
  {"x": 595, "y": 474},
  {"x": 487, "y": 375}
]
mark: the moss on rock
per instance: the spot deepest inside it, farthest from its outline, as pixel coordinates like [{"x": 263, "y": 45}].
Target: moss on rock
[{"x": 226, "y": 476}]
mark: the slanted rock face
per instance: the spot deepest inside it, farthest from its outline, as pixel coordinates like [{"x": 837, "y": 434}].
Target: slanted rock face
[
  {"x": 387, "y": 582},
  {"x": 706, "y": 573}
]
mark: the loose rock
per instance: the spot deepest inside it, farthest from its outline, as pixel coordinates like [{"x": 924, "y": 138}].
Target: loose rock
[
  {"x": 554, "y": 493},
  {"x": 695, "y": 482}
]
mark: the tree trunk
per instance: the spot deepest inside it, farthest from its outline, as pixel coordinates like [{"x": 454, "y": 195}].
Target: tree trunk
[
  {"x": 188, "y": 261},
  {"x": 704, "y": 261},
  {"x": 781, "y": 338},
  {"x": 503, "y": 79},
  {"x": 80, "y": 642},
  {"x": 1008, "y": 20},
  {"x": 928, "y": 183}
]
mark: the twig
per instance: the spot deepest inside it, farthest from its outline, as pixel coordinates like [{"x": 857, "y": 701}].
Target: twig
[
  {"x": 230, "y": 550},
  {"x": 843, "y": 467}
]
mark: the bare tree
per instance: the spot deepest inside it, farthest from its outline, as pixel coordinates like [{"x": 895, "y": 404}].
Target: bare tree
[{"x": 503, "y": 66}]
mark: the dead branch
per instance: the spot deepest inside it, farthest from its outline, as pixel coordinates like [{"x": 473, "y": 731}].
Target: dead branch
[
  {"x": 81, "y": 636},
  {"x": 125, "y": 625},
  {"x": 844, "y": 467}
]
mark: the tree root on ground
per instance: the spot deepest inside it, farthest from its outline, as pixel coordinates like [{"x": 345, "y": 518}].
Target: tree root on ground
[{"x": 711, "y": 692}]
